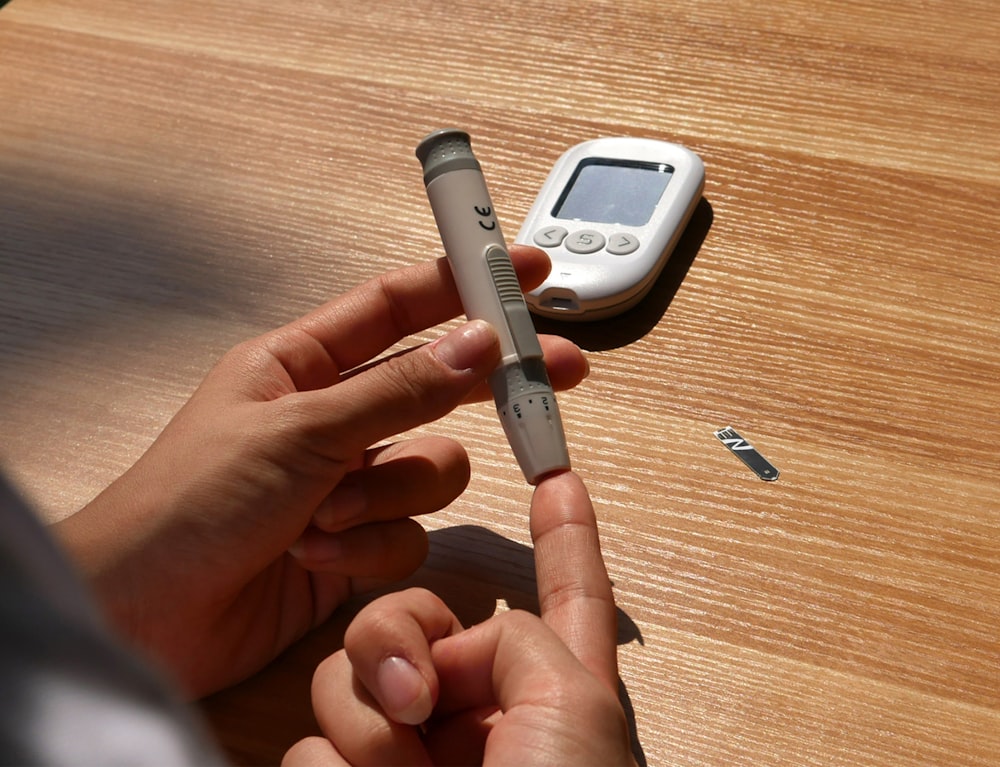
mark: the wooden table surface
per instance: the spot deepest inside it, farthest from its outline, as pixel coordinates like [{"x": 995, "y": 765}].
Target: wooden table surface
[{"x": 176, "y": 177}]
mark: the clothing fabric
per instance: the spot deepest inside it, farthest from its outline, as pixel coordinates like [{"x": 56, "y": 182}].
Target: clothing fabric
[{"x": 70, "y": 693}]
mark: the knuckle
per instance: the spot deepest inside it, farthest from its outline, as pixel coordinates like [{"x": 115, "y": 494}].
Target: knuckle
[
  {"x": 382, "y": 616},
  {"x": 521, "y": 621},
  {"x": 416, "y": 379}
]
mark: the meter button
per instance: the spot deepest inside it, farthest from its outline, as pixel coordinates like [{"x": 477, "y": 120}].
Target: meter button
[
  {"x": 621, "y": 244},
  {"x": 585, "y": 241},
  {"x": 550, "y": 236}
]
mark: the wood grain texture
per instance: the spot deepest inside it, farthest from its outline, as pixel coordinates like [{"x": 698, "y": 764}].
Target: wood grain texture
[{"x": 175, "y": 177}]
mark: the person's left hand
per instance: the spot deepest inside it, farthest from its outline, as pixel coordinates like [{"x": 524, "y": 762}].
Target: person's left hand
[
  {"x": 412, "y": 686},
  {"x": 263, "y": 505}
]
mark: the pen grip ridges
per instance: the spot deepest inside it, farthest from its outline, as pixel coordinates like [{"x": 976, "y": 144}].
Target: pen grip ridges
[{"x": 504, "y": 276}]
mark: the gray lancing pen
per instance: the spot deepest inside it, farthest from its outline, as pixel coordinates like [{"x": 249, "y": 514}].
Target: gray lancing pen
[{"x": 488, "y": 286}]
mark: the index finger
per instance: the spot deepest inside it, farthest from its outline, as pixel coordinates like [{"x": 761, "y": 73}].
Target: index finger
[
  {"x": 353, "y": 328},
  {"x": 574, "y": 590}
]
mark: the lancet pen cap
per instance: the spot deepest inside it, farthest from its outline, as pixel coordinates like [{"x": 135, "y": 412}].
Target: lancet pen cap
[{"x": 445, "y": 150}]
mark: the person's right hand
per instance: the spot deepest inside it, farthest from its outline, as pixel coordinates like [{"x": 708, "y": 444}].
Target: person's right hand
[{"x": 413, "y": 687}]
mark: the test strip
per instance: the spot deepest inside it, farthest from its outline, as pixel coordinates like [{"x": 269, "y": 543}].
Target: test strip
[{"x": 747, "y": 453}]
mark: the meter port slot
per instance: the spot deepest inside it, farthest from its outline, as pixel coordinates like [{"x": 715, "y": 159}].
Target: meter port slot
[{"x": 560, "y": 301}]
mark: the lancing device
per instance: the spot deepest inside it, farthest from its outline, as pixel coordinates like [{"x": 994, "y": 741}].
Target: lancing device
[{"x": 488, "y": 286}]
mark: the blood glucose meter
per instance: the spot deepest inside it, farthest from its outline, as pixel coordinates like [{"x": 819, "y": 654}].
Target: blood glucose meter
[{"x": 609, "y": 214}]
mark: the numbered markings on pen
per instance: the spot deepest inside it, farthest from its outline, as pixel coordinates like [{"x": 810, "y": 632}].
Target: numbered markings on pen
[
  {"x": 518, "y": 407},
  {"x": 747, "y": 453}
]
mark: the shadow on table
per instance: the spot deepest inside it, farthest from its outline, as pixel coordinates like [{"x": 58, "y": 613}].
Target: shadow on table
[
  {"x": 615, "y": 332},
  {"x": 89, "y": 261}
]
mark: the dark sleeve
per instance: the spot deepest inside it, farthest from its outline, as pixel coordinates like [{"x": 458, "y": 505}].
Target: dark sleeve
[{"x": 70, "y": 694}]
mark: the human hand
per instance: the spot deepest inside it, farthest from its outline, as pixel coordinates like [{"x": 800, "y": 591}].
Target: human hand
[
  {"x": 514, "y": 689},
  {"x": 189, "y": 550}
]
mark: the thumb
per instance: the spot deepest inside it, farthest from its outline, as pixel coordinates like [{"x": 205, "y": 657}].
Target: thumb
[{"x": 403, "y": 391}]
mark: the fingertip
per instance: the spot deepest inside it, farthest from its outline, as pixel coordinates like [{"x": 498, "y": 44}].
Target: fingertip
[
  {"x": 552, "y": 474},
  {"x": 526, "y": 252},
  {"x": 561, "y": 501},
  {"x": 562, "y": 489},
  {"x": 532, "y": 265},
  {"x": 566, "y": 363}
]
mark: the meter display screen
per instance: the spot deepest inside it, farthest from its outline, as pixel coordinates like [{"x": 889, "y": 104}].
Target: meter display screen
[{"x": 613, "y": 192}]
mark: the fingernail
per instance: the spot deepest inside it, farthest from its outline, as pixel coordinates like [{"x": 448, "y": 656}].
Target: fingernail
[
  {"x": 466, "y": 347},
  {"x": 403, "y": 691}
]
